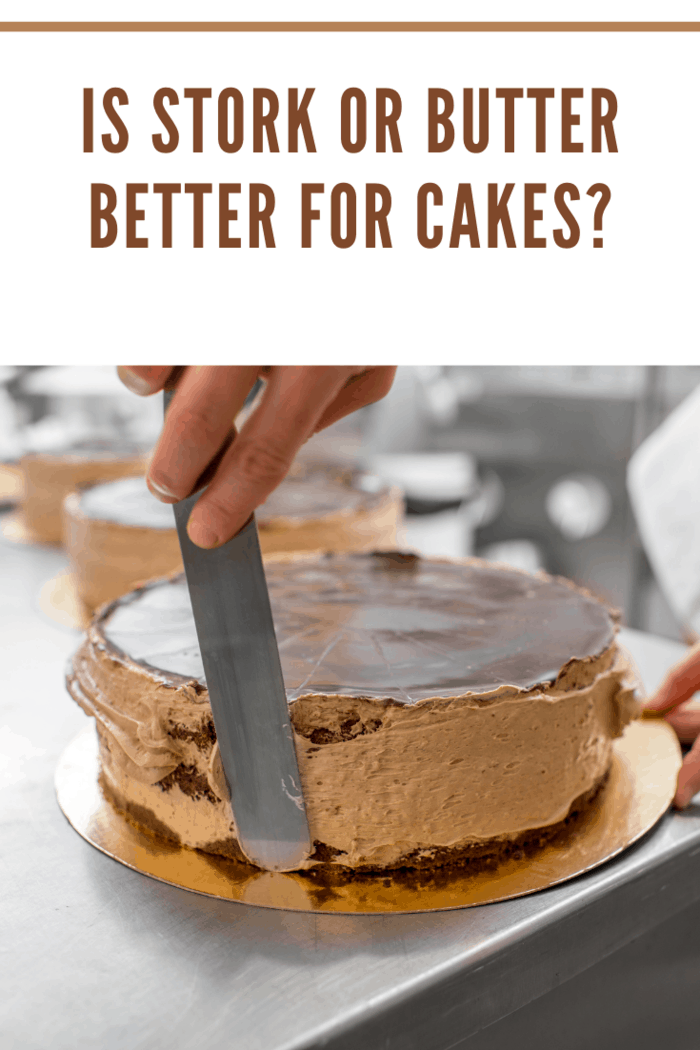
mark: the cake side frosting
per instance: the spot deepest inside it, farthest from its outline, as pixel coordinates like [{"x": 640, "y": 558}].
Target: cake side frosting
[
  {"x": 49, "y": 477},
  {"x": 110, "y": 556},
  {"x": 388, "y": 779}
]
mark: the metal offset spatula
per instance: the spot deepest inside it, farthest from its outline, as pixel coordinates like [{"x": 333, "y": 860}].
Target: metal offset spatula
[{"x": 231, "y": 607}]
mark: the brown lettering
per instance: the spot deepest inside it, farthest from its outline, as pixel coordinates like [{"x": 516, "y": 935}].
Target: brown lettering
[
  {"x": 167, "y": 121},
  {"x": 388, "y": 121},
  {"x": 98, "y": 213},
  {"x": 540, "y": 96},
  {"x": 167, "y": 189},
  {"x": 299, "y": 118},
  {"x": 265, "y": 121},
  {"x": 227, "y": 214},
  {"x": 198, "y": 189},
  {"x": 110, "y": 96},
  {"x": 464, "y": 205},
  {"x": 134, "y": 214},
  {"x": 532, "y": 215},
  {"x": 560, "y": 193},
  {"x": 349, "y": 144},
  {"x": 258, "y": 216},
  {"x": 498, "y": 214},
  {"x": 468, "y": 120},
  {"x": 377, "y": 217},
  {"x": 440, "y": 119},
  {"x": 509, "y": 96},
  {"x": 87, "y": 119},
  {"x": 227, "y": 143},
  {"x": 603, "y": 121},
  {"x": 425, "y": 240},
  {"x": 569, "y": 120},
  {"x": 308, "y": 214},
  {"x": 197, "y": 95},
  {"x": 343, "y": 189}
]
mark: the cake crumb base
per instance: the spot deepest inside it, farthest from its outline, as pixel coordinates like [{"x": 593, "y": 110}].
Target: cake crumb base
[
  {"x": 416, "y": 867},
  {"x": 470, "y": 859}
]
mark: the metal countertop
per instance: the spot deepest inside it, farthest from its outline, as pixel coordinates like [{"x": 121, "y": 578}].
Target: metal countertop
[{"x": 93, "y": 954}]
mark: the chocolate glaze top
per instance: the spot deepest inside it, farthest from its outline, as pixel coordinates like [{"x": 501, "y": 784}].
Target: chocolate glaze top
[
  {"x": 386, "y": 625},
  {"x": 301, "y": 496}
]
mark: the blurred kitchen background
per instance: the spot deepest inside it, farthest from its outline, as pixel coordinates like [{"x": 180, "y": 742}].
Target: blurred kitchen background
[{"x": 519, "y": 464}]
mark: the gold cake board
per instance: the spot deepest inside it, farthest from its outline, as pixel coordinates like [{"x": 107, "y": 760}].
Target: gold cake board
[
  {"x": 11, "y": 483},
  {"x": 638, "y": 792},
  {"x": 15, "y": 529},
  {"x": 60, "y": 601}
]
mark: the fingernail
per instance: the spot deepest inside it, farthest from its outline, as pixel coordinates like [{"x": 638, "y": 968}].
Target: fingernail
[
  {"x": 161, "y": 491},
  {"x": 134, "y": 382},
  {"x": 202, "y": 535}
]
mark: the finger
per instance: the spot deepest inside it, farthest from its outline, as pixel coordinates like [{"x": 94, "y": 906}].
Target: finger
[
  {"x": 260, "y": 457},
  {"x": 144, "y": 379},
  {"x": 199, "y": 421},
  {"x": 680, "y": 684},
  {"x": 686, "y": 722},
  {"x": 689, "y": 777},
  {"x": 368, "y": 386}
]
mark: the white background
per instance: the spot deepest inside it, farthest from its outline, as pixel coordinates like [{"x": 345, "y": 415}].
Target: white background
[
  {"x": 632, "y": 300},
  {"x": 375, "y": 10}
]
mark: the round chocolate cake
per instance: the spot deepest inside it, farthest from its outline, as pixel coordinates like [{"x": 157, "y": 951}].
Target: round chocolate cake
[
  {"x": 117, "y": 534},
  {"x": 442, "y": 711}
]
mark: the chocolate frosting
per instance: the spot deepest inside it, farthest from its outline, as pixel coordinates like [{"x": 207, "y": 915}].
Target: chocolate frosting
[
  {"x": 387, "y": 625},
  {"x": 312, "y": 494}
]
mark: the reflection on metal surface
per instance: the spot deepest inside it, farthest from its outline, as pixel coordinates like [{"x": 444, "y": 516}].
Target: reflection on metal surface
[
  {"x": 15, "y": 750},
  {"x": 60, "y": 601},
  {"x": 640, "y": 787}
]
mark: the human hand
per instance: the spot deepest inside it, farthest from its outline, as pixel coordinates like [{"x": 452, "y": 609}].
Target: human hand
[
  {"x": 678, "y": 687},
  {"x": 297, "y": 402}
]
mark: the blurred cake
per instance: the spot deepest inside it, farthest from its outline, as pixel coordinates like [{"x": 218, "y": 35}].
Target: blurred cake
[
  {"x": 117, "y": 534},
  {"x": 86, "y": 427},
  {"x": 50, "y": 476},
  {"x": 443, "y": 712}
]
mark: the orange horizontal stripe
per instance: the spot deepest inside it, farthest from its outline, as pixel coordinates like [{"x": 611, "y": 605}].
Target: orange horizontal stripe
[{"x": 349, "y": 27}]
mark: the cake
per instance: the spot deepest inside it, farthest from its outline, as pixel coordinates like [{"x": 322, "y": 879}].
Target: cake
[
  {"x": 443, "y": 712},
  {"x": 117, "y": 534},
  {"x": 50, "y": 476}
]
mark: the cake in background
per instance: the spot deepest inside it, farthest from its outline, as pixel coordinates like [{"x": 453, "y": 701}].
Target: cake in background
[
  {"x": 88, "y": 428},
  {"x": 117, "y": 534},
  {"x": 48, "y": 477}
]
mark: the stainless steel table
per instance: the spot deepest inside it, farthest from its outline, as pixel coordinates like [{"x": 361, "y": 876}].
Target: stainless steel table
[{"x": 95, "y": 955}]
